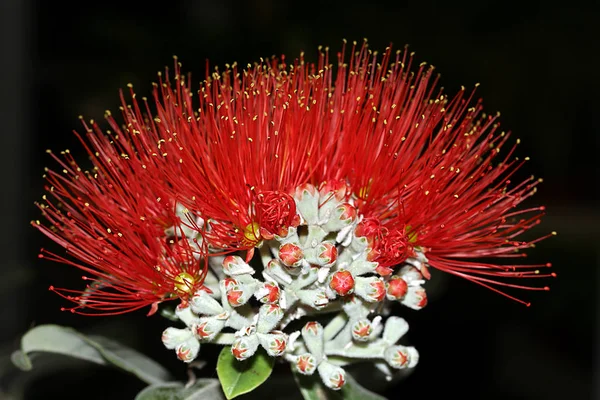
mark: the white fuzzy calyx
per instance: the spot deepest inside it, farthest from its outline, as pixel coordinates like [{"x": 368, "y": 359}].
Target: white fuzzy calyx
[{"x": 320, "y": 267}]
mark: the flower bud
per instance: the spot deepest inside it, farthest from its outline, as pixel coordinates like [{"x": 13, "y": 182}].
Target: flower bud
[
  {"x": 333, "y": 190},
  {"x": 420, "y": 263},
  {"x": 312, "y": 334},
  {"x": 416, "y": 298},
  {"x": 371, "y": 289},
  {"x": 333, "y": 377},
  {"x": 400, "y": 357},
  {"x": 365, "y": 233},
  {"x": 172, "y": 337},
  {"x": 359, "y": 243},
  {"x": 384, "y": 271},
  {"x": 275, "y": 270},
  {"x": 342, "y": 282},
  {"x": 274, "y": 343},
  {"x": 361, "y": 330},
  {"x": 326, "y": 254},
  {"x": 290, "y": 235},
  {"x": 188, "y": 351},
  {"x": 269, "y": 316},
  {"x": 275, "y": 212},
  {"x": 239, "y": 294},
  {"x": 244, "y": 347},
  {"x": 290, "y": 255},
  {"x": 229, "y": 282},
  {"x": 208, "y": 327},
  {"x": 341, "y": 216},
  {"x": 307, "y": 203},
  {"x": 306, "y": 364},
  {"x": 268, "y": 293},
  {"x": 396, "y": 288},
  {"x": 203, "y": 304},
  {"x": 235, "y": 265}
]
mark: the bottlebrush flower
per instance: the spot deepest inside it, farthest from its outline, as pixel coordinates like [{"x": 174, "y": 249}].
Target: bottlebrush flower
[
  {"x": 370, "y": 150},
  {"x": 130, "y": 237}
]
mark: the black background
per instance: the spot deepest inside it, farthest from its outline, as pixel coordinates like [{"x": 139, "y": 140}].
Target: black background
[{"x": 537, "y": 63}]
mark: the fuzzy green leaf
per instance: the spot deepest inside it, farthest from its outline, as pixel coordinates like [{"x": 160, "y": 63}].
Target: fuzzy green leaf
[
  {"x": 99, "y": 350},
  {"x": 239, "y": 377}
]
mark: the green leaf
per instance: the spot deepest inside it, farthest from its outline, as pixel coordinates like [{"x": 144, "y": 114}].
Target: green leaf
[
  {"x": 99, "y": 350},
  {"x": 239, "y": 377},
  {"x": 200, "y": 390},
  {"x": 312, "y": 388}
]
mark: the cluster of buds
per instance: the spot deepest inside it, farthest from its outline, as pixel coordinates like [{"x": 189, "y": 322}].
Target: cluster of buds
[{"x": 324, "y": 266}]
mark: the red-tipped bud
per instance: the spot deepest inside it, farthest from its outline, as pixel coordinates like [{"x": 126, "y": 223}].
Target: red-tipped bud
[
  {"x": 290, "y": 255},
  {"x": 333, "y": 189},
  {"x": 327, "y": 254},
  {"x": 342, "y": 282},
  {"x": 396, "y": 288}
]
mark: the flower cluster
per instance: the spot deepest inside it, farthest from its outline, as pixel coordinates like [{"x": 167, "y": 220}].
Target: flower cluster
[
  {"x": 321, "y": 266},
  {"x": 349, "y": 182}
]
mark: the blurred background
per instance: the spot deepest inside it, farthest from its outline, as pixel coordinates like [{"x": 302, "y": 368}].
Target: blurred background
[{"x": 537, "y": 63}]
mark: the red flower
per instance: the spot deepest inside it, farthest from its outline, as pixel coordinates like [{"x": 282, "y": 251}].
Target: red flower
[
  {"x": 431, "y": 172},
  {"x": 116, "y": 227},
  {"x": 275, "y": 213},
  {"x": 422, "y": 171}
]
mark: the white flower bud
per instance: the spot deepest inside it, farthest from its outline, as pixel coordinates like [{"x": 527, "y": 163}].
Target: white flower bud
[
  {"x": 307, "y": 203},
  {"x": 172, "y": 337},
  {"x": 274, "y": 343},
  {"x": 208, "y": 327},
  {"x": 362, "y": 330},
  {"x": 235, "y": 265},
  {"x": 202, "y": 303},
  {"x": 333, "y": 377},
  {"x": 244, "y": 347},
  {"x": 269, "y": 316},
  {"x": 188, "y": 351},
  {"x": 276, "y": 271},
  {"x": 312, "y": 333},
  {"x": 416, "y": 298},
  {"x": 371, "y": 289},
  {"x": 306, "y": 364},
  {"x": 400, "y": 357}
]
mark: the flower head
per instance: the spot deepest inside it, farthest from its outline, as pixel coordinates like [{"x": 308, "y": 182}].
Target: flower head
[{"x": 369, "y": 151}]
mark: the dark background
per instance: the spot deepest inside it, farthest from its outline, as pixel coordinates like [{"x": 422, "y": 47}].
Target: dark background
[{"x": 537, "y": 62}]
